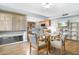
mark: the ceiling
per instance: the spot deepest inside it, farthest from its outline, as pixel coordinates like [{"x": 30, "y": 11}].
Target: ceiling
[{"x": 56, "y": 9}]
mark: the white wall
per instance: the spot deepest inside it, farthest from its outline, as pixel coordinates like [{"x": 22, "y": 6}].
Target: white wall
[
  {"x": 71, "y": 18},
  {"x": 64, "y": 19},
  {"x": 34, "y": 18}
]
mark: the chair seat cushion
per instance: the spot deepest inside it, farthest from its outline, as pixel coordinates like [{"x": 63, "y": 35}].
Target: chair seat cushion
[
  {"x": 56, "y": 44},
  {"x": 41, "y": 45}
]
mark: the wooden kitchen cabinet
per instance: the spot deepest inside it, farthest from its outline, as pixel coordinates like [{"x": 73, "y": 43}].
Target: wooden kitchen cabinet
[
  {"x": 15, "y": 23},
  {"x": 47, "y": 22},
  {"x": 12, "y": 22},
  {"x": 18, "y": 22},
  {"x": 72, "y": 46},
  {"x": 12, "y": 49},
  {"x": 5, "y": 21}
]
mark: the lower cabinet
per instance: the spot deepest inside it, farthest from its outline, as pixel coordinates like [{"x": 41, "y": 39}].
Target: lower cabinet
[
  {"x": 11, "y": 49},
  {"x": 72, "y": 46}
]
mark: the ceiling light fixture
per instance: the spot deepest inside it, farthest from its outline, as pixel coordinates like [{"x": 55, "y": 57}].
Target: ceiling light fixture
[{"x": 46, "y": 5}]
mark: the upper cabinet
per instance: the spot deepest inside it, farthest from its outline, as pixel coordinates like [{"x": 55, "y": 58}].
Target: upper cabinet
[
  {"x": 12, "y": 22},
  {"x": 19, "y": 22},
  {"x": 46, "y": 22},
  {"x": 5, "y": 21}
]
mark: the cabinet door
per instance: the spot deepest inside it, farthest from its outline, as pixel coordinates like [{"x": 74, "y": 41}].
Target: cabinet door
[
  {"x": 18, "y": 23},
  {"x": 5, "y": 22},
  {"x": 15, "y": 23},
  {"x": 22, "y": 23},
  {"x": 72, "y": 46}
]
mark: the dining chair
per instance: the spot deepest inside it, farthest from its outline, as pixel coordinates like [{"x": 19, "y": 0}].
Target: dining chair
[
  {"x": 37, "y": 42},
  {"x": 58, "y": 42}
]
